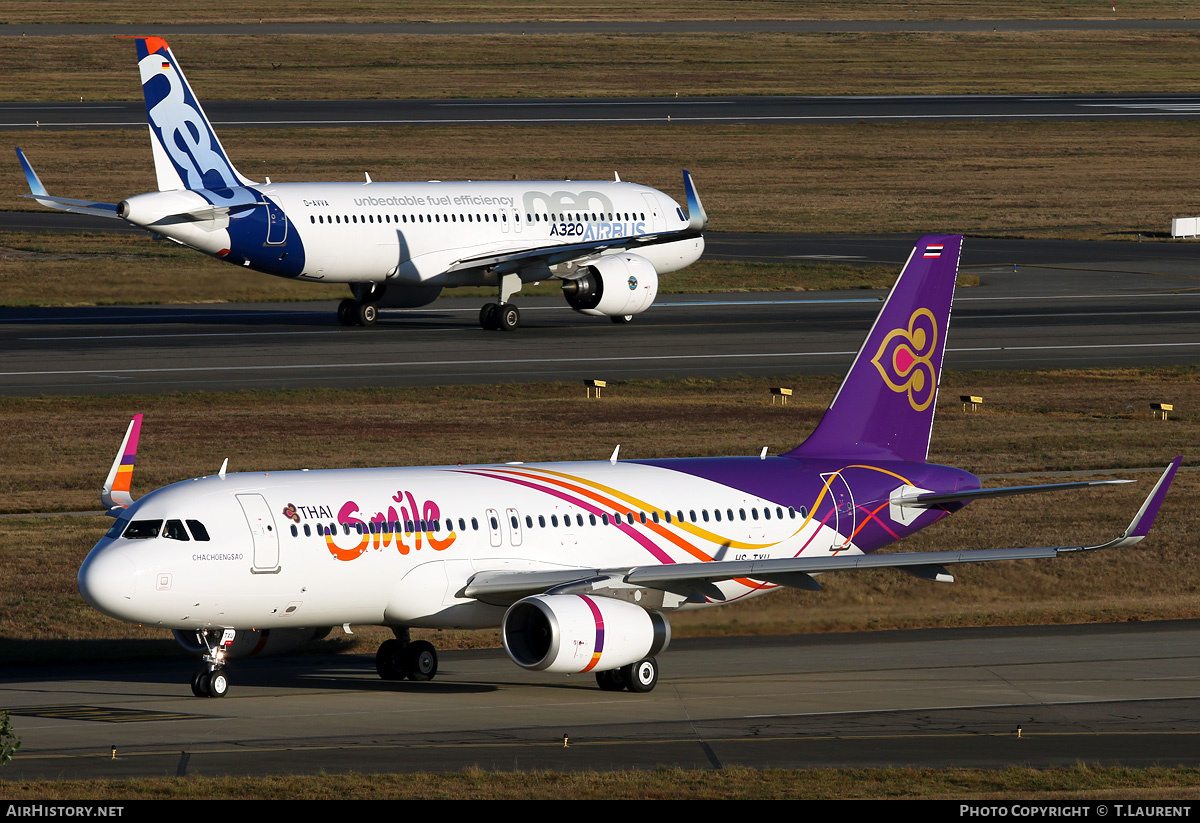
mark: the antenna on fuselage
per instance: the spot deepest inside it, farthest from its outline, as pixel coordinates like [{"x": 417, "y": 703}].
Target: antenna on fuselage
[
  {"x": 224, "y": 466},
  {"x": 616, "y": 177},
  {"x": 613, "y": 459}
]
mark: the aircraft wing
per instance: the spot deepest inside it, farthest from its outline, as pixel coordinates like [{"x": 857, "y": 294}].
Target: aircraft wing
[
  {"x": 551, "y": 255},
  {"x": 38, "y": 192},
  {"x": 698, "y": 578},
  {"x": 931, "y": 499}
]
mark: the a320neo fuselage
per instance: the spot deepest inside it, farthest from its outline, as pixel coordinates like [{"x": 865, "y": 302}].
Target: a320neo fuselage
[{"x": 410, "y": 233}]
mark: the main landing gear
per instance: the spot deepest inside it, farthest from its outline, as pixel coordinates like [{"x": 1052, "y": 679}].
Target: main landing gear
[
  {"x": 402, "y": 659},
  {"x": 502, "y": 316},
  {"x": 211, "y": 679},
  {"x": 363, "y": 308},
  {"x": 639, "y": 677}
]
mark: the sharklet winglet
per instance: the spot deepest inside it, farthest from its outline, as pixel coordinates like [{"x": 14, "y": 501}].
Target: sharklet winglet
[
  {"x": 697, "y": 217},
  {"x": 115, "y": 495},
  {"x": 1139, "y": 527}
]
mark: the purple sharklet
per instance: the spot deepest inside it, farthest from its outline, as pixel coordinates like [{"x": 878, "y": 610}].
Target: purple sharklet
[
  {"x": 1144, "y": 519},
  {"x": 884, "y": 408}
]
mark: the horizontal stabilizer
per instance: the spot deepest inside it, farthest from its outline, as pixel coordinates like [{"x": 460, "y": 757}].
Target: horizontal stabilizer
[{"x": 38, "y": 192}]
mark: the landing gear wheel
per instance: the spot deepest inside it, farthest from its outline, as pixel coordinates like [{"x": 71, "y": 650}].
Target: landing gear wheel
[
  {"x": 346, "y": 312},
  {"x": 509, "y": 317},
  {"x": 421, "y": 660},
  {"x": 642, "y": 676},
  {"x": 218, "y": 683},
  {"x": 612, "y": 680},
  {"x": 366, "y": 314},
  {"x": 621, "y": 318},
  {"x": 389, "y": 660},
  {"x": 489, "y": 316},
  {"x": 200, "y": 683}
]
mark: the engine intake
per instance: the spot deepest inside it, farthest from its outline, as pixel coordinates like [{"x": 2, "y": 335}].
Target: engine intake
[
  {"x": 613, "y": 285},
  {"x": 581, "y": 633}
]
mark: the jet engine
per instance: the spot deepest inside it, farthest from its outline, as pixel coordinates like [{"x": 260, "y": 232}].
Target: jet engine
[
  {"x": 615, "y": 285},
  {"x": 251, "y": 642},
  {"x": 578, "y": 633}
]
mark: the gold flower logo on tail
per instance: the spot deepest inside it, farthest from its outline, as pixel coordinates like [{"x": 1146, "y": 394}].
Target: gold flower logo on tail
[{"x": 904, "y": 356}]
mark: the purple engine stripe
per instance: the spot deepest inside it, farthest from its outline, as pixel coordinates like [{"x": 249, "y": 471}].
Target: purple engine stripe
[{"x": 599, "y": 618}]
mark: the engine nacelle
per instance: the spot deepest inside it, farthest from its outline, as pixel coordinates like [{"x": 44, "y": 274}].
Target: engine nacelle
[
  {"x": 581, "y": 633},
  {"x": 251, "y": 642},
  {"x": 613, "y": 286}
]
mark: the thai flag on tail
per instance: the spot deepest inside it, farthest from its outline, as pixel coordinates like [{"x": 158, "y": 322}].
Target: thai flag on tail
[{"x": 934, "y": 250}]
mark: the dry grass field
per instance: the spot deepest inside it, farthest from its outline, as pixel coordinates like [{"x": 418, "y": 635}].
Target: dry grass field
[
  {"x": 58, "y": 450},
  {"x": 1078, "y": 784},
  {"x": 303, "y": 66},
  {"x": 360, "y": 11}
]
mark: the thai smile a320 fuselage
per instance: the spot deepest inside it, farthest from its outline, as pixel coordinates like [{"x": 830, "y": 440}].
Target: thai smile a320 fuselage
[{"x": 397, "y": 546}]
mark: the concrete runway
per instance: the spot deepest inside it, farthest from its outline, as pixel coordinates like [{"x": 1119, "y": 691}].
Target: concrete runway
[
  {"x": 762, "y": 110},
  {"x": 1068, "y": 304},
  {"x": 1103, "y": 694}
]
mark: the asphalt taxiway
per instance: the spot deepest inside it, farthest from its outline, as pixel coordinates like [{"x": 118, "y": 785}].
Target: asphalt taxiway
[
  {"x": 1039, "y": 304},
  {"x": 759, "y": 109},
  {"x": 1038, "y": 696}
]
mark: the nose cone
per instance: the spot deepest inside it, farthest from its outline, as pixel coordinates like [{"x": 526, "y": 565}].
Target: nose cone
[{"x": 106, "y": 581}]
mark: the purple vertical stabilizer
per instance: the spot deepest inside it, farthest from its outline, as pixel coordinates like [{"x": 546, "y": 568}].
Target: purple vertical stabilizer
[{"x": 885, "y": 406}]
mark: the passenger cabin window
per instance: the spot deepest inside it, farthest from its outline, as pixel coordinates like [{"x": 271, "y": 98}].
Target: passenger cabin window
[{"x": 143, "y": 529}]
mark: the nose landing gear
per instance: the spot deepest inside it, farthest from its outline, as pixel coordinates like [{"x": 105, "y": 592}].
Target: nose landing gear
[{"x": 211, "y": 680}]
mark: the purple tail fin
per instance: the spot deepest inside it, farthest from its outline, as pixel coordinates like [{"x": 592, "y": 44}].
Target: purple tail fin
[{"x": 885, "y": 406}]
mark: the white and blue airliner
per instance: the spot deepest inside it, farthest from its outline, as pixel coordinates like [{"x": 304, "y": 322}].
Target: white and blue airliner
[{"x": 399, "y": 244}]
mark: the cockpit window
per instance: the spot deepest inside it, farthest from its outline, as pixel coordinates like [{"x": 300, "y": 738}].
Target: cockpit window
[
  {"x": 175, "y": 530},
  {"x": 114, "y": 531},
  {"x": 198, "y": 530},
  {"x": 143, "y": 529}
]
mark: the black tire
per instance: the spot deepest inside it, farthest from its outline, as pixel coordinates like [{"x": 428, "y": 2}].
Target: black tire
[
  {"x": 200, "y": 683},
  {"x": 620, "y": 318},
  {"x": 422, "y": 661},
  {"x": 508, "y": 317},
  {"x": 612, "y": 680},
  {"x": 346, "y": 313},
  {"x": 218, "y": 683},
  {"x": 642, "y": 676},
  {"x": 367, "y": 314},
  {"x": 489, "y": 316},
  {"x": 389, "y": 660}
]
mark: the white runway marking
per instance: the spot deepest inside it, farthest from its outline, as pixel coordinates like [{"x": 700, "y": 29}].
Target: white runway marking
[{"x": 572, "y": 360}]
